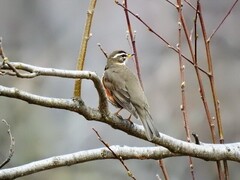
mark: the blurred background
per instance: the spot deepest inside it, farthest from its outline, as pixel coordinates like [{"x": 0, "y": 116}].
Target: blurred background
[{"x": 48, "y": 34}]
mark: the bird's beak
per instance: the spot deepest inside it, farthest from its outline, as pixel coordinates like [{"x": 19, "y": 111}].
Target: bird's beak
[{"x": 130, "y": 55}]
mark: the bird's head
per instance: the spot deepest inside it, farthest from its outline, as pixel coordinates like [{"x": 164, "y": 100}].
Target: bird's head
[{"x": 119, "y": 57}]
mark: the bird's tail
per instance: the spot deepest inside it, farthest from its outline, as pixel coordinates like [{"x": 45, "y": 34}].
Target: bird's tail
[{"x": 148, "y": 125}]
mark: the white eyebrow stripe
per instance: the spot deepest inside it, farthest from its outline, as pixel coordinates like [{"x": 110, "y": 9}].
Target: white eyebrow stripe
[{"x": 117, "y": 55}]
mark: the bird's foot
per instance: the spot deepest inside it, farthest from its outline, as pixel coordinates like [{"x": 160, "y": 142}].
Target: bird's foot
[
  {"x": 119, "y": 116},
  {"x": 129, "y": 119}
]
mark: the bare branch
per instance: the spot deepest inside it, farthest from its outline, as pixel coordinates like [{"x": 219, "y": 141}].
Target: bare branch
[
  {"x": 190, "y": 4},
  {"x": 213, "y": 88},
  {"x": 83, "y": 48},
  {"x": 164, "y": 169},
  {"x": 160, "y": 37},
  {"x": 104, "y": 52},
  {"x": 133, "y": 41},
  {"x": 86, "y": 156},
  {"x": 34, "y": 71},
  {"x": 183, "y": 85},
  {"x": 171, "y": 3},
  {"x": 2, "y": 55},
  {"x": 12, "y": 144},
  {"x": 220, "y": 24}
]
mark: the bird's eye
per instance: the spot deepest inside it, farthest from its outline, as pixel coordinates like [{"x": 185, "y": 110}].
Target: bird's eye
[{"x": 123, "y": 55}]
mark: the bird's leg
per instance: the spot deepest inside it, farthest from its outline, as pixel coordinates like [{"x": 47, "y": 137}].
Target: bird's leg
[
  {"x": 116, "y": 113},
  {"x": 129, "y": 119}
]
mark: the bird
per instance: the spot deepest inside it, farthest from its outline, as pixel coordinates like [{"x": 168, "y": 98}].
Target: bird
[{"x": 124, "y": 91}]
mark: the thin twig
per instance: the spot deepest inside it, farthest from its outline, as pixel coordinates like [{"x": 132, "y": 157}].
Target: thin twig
[
  {"x": 183, "y": 85},
  {"x": 171, "y": 3},
  {"x": 220, "y": 24},
  {"x": 6, "y": 62},
  {"x": 125, "y": 4},
  {"x": 158, "y": 177},
  {"x": 130, "y": 174},
  {"x": 1, "y": 49},
  {"x": 2, "y": 54},
  {"x": 193, "y": 55},
  {"x": 210, "y": 69},
  {"x": 160, "y": 37},
  {"x": 210, "y": 120},
  {"x": 164, "y": 169},
  {"x": 190, "y": 4},
  {"x": 213, "y": 89},
  {"x": 12, "y": 144},
  {"x": 197, "y": 141},
  {"x": 83, "y": 48},
  {"x": 104, "y": 52}
]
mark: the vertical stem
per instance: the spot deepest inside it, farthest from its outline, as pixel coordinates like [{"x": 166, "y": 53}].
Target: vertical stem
[
  {"x": 195, "y": 63},
  {"x": 83, "y": 48},
  {"x": 213, "y": 87},
  {"x": 182, "y": 79},
  {"x": 132, "y": 41},
  {"x": 164, "y": 169},
  {"x": 202, "y": 91}
]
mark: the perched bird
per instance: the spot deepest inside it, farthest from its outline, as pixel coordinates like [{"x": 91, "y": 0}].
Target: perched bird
[{"x": 124, "y": 91}]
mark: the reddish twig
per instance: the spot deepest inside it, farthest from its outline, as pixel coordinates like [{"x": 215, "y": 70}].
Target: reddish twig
[
  {"x": 195, "y": 62},
  {"x": 220, "y": 24},
  {"x": 202, "y": 92},
  {"x": 171, "y": 3},
  {"x": 210, "y": 120},
  {"x": 164, "y": 169},
  {"x": 214, "y": 93},
  {"x": 160, "y": 37},
  {"x": 117, "y": 157},
  {"x": 125, "y": 4},
  {"x": 210, "y": 69},
  {"x": 213, "y": 87},
  {"x": 190, "y": 4},
  {"x": 182, "y": 79}
]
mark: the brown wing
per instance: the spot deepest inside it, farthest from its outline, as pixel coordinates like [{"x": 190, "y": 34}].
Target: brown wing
[
  {"x": 115, "y": 84},
  {"x": 108, "y": 92},
  {"x": 127, "y": 92}
]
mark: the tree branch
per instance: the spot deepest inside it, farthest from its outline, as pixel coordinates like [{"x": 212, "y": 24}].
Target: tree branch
[
  {"x": 86, "y": 156},
  {"x": 11, "y": 148},
  {"x": 133, "y": 41},
  {"x": 211, "y": 152},
  {"x": 69, "y": 104},
  {"x": 83, "y": 47}
]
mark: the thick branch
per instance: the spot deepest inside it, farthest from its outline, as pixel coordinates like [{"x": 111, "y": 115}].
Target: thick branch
[
  {"x": 34, "y": 71},
  {"x": 85, "y": 156}
]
